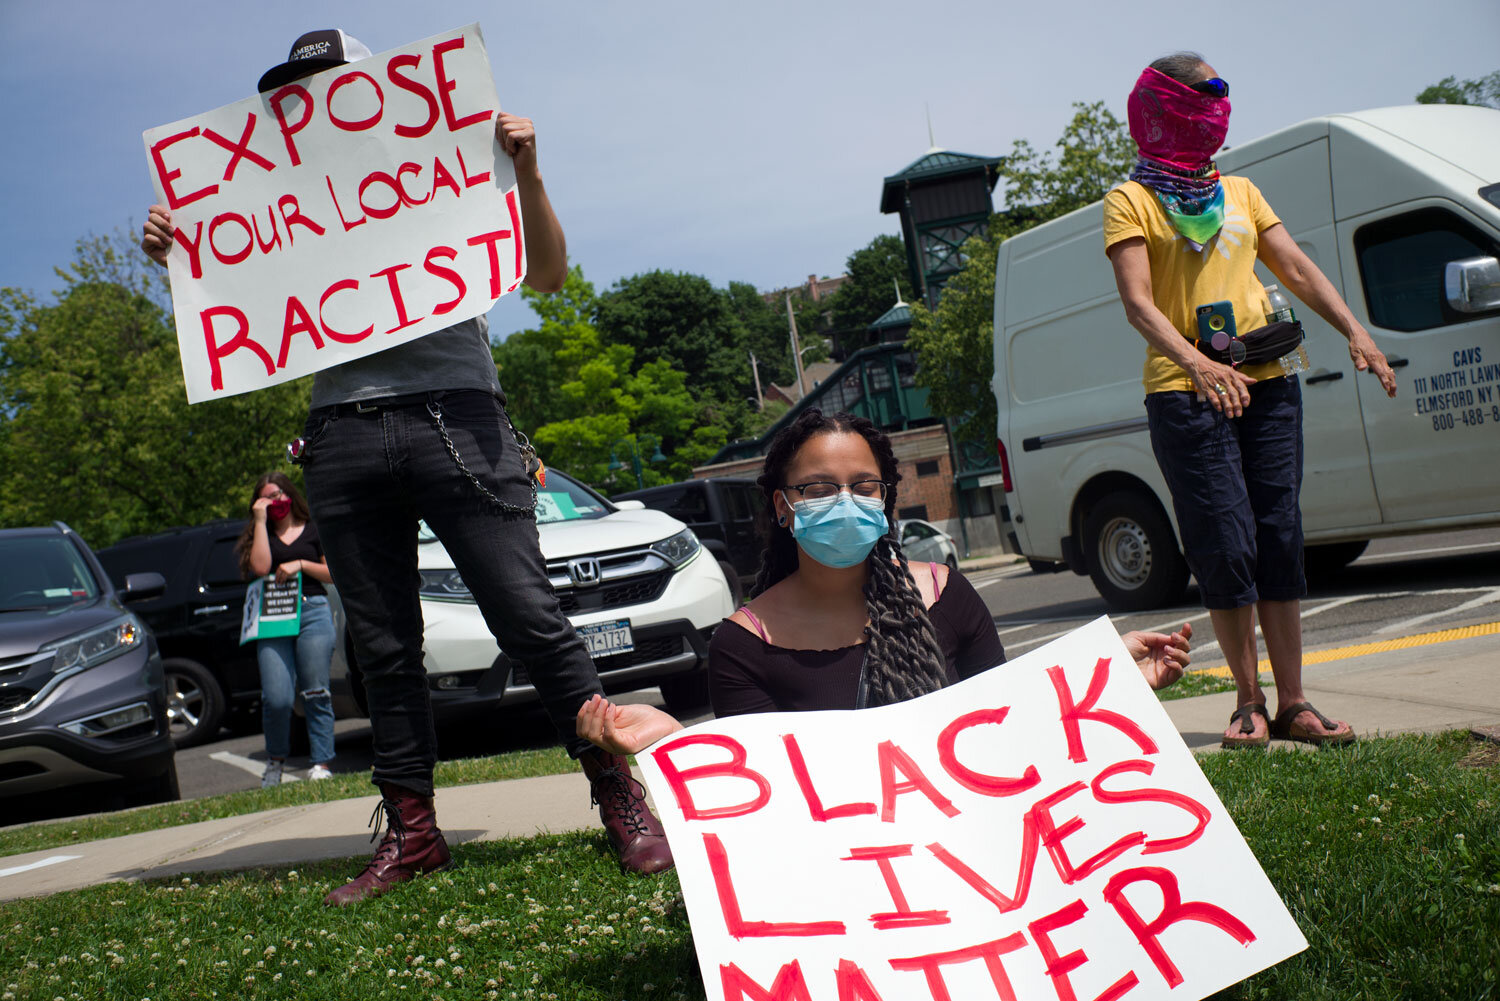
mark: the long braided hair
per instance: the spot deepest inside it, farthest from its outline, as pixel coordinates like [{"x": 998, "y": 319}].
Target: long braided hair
[{"x": 902, "y": 657}]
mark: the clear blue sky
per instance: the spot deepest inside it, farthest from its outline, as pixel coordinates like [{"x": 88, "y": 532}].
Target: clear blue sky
[{"x": 743, "y": 144}]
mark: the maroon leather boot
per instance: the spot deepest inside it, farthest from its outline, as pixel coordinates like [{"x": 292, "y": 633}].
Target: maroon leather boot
[
  {"x": 634, "y": 832},
  {"x": 412, "y": 845}
]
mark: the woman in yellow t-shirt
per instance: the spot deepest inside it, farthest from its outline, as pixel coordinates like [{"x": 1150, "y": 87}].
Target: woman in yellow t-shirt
[{"x": 1228, "y": 440}]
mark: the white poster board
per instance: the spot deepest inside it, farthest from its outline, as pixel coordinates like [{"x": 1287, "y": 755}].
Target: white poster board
[
  {"x": 1037, "y": 832},
  {"x": 342, "y": 214}
]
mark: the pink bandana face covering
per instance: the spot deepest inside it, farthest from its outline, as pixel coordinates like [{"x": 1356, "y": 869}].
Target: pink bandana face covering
[{"x": 1175, "y": 125}]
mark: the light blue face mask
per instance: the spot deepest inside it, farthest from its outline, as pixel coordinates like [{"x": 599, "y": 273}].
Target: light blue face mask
[{"x": 839, "y": 531}]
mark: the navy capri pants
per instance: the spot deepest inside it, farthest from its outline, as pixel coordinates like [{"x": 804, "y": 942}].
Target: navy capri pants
[{"x": 1235, "y": 486}]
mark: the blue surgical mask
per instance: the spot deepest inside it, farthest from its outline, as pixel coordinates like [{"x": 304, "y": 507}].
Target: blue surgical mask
[{"x": 839, "y": 531}]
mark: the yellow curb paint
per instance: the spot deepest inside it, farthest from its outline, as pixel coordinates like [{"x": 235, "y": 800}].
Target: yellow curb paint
[{"x": 1360, "y": 649}]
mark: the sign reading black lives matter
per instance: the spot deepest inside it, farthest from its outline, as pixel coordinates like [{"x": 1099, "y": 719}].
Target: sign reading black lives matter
[
  {"x": 342, "y": 214},
  {"x": 1038, "y": 832}
]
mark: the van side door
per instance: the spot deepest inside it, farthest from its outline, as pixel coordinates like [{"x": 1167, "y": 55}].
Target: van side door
[
  {"x": 1337, "y": 488},
  {"x": 1435, "y": 449}
]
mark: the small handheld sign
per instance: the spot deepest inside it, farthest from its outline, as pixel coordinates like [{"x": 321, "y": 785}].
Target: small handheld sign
[{"x": 271, "y": 609}]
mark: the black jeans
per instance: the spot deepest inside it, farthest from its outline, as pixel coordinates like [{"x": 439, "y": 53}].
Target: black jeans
[{"x": 370, "y": 476}]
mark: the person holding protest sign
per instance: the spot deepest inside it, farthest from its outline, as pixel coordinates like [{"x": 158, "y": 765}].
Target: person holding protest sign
[
  {"x": 281, "y": 540},
  {"x": 420, "y": 431},
  {"x": 840, "y": 620},
  {"x": 1227, "y": 432}
]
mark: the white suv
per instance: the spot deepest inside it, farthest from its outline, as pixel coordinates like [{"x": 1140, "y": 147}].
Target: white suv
[{"x": 636, "y": 584}]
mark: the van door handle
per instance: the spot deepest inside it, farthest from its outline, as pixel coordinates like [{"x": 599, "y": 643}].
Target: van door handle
[
  {"x": 1323, "y": 376},
  {"x": 1398, "y": 362},
  {"x": 210, "y": 609}
]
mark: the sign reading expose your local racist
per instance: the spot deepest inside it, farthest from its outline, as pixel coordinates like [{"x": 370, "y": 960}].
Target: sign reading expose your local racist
[
  {"x": 1037, "y": 832},
  {"x": 342, "y": 214}
]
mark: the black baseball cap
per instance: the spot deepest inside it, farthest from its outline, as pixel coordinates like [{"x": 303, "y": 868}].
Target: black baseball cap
[{"x": 313, "y": 51}]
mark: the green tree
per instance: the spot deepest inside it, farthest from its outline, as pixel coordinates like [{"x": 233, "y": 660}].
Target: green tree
[
  {"x": 95, "y": 428},
  {"x": 1094, "y": 153},
  {"x": 530, "y": 370},
  {"x": 874, "y": 272},
  {"x": 1484, "y": 92},
  {"x": 955, "y": 342},
  {"x": 684, "y": 320},
  {"x": 765, "y": 332}
]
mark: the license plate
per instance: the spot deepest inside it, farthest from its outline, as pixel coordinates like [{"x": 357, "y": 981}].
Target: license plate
[{"x": 605, "y": 639}]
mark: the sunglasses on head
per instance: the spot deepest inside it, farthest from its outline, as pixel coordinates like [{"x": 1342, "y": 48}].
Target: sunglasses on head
[{"x": 1213, "y": 87}]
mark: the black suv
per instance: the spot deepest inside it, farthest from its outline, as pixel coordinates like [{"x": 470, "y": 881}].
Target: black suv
[
  {"x": 211, "y": 679},
  {"x": 721, "y": 512},
  {"x": 81, "y": 698}
]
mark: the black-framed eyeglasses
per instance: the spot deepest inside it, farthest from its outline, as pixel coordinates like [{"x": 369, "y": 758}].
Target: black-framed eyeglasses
[
  {"x": 823, "y": 489},
  {"x": 1214, "y": 87}
]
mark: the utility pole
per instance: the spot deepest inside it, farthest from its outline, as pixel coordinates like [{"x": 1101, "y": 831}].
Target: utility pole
[
  {"x": 796, "y": 348},
  {"x": 755, "y": 368}
]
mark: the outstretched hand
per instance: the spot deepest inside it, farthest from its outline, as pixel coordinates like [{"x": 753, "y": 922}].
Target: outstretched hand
[
  {"x": 1161, "y": 658},
  {"x": 627, "y": 729}
]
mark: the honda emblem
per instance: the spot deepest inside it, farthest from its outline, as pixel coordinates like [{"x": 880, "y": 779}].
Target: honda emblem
[{"x": 584, "y": 572}]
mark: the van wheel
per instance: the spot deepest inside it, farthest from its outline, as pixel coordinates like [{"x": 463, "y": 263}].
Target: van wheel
[
  {"x": 195, "y": 702},
  {"x": 1323, "y": 561},
  {"x": 685, "y": 693},
  {"x": 1132, "y": 554},
  {"x": 736, "y": 589}
]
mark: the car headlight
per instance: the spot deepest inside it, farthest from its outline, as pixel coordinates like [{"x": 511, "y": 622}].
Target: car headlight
[
  {"x": 678, "y": 549},
  {"x": 97, "y": 645},
  {"x": 444, "y": 584}
]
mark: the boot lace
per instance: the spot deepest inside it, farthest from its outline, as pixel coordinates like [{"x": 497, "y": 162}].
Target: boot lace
[
  {"x": 395, "y": 831},
  {"x": 623, "y": 796}
]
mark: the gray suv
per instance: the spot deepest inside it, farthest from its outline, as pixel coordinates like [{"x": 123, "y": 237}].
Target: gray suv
[{"x": 81, "y": 688}]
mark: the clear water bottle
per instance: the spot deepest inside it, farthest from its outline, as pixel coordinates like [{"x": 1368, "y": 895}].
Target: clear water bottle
[{"x": 1281, "y": 309}]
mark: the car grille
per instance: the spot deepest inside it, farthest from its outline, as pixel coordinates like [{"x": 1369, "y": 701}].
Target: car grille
[
  {"x": 15, "y": 698},
  {"x": 630, "y": 591},
  {"x": 645, "y": 651}
]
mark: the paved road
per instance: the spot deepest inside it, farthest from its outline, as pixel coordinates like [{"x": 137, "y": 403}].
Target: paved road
[{"x": 1400, "y": 587}]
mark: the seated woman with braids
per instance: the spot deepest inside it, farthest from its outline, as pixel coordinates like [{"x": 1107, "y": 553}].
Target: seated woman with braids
[{"x": 839, "y": 620}]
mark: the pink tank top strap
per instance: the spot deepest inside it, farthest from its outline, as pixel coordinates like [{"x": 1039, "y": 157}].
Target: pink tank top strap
[
  {"x": 937, "y": 589},
  {"x": 755, "y": 622}
]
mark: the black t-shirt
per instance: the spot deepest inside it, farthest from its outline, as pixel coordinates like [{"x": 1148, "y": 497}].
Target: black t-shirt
[
  {"x": 306, "y": 546},
  {"x": 748, "y": 675}
]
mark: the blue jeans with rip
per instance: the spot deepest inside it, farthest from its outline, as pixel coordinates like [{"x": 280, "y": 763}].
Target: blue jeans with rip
[
  {"x": 292, "y": 664},
  {"x": 370, "y": 475}
]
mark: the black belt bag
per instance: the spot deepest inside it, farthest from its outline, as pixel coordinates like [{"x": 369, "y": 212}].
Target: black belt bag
[{"x": 1258, "y": 346}]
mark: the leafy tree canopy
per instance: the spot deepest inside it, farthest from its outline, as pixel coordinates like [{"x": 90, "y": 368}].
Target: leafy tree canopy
[
  {"x": 95, "y": 428},
  {"x": 1450, "y": 90},
  {"x": 1094, "y": 153},
  {"x": 874, "y": 272}
]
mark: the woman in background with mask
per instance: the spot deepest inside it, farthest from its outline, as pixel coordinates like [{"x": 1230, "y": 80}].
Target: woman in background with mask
[
  {"x": 839, "y": 620},
  {"x": 282, "y": 541}
]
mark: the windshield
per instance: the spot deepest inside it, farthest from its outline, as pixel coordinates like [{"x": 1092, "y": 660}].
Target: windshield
[
  {"x": 41, "y": 572},
  {"x": 563, "y": 499}
]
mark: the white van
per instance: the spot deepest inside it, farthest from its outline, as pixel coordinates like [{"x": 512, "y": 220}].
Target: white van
[{"x": 1400, "y": 208}]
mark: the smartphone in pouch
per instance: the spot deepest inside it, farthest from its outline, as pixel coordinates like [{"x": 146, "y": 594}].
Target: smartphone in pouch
[{"x": 1216, "y": 324}]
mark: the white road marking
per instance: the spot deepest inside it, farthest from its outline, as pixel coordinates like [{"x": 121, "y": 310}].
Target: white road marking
[
  {"x": 256, "y": 768},
  {"x": 1398, "y": 626},
  {"x": 1423, "y": 552},
  {"x": 1005, "y": 574},
  {"x": 50, "y": 860}
]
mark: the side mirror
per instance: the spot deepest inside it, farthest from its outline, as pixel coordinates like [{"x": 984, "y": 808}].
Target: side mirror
[
  {"x": 1473, "y": 284},
  {"x": 140, "y": 586},
  {"x": 630, "y": 504}
]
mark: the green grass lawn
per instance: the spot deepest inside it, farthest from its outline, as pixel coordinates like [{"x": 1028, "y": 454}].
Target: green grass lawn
[
  {"x": 1387, "y": 854},
  {"x": 56, "y": 833},
  {"x": 513, "y": 765}
]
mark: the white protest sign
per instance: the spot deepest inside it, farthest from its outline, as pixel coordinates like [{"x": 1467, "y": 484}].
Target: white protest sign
[
  {"x": 342, "y": 214},
  {"x": 1037, "y": 832}
]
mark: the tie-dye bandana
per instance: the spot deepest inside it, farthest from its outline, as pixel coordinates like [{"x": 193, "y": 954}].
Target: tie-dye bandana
[{"x": 1178, "y": 130}]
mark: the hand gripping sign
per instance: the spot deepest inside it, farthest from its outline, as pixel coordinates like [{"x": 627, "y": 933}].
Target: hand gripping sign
[
  {"x": 342, "y": 214},
  {"x": 1037, "y": 832}
]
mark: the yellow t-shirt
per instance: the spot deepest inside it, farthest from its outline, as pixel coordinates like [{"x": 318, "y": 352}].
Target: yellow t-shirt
[{"x": 1183, "y": 279}]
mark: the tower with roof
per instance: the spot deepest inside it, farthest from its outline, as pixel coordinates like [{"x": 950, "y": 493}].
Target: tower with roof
[{"x": 943, "y": 198}]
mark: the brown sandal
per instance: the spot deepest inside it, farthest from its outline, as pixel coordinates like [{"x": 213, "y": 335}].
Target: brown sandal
[
  {"x": 1245, "y": 714},
  {"x": 1286, "y": 727}
]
